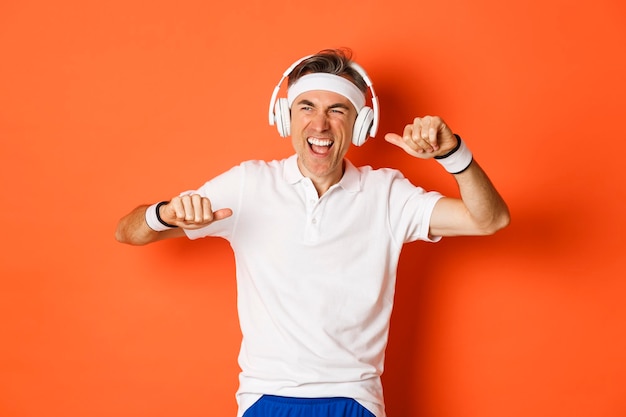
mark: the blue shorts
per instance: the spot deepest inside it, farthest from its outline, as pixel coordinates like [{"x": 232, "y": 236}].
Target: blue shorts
[{"x": 274, "y": 406}]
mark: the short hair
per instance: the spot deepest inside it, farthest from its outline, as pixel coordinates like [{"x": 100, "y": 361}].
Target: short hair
[{"x": 331, "y": 61}]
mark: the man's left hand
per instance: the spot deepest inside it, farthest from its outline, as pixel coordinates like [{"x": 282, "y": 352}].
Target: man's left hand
[{"x": 426, "y": 137}]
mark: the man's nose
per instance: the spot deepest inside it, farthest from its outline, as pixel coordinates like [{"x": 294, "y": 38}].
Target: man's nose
[{"x": 320, "y": 121}]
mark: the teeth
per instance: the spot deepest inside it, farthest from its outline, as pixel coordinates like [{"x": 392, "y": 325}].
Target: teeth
[{"x": 320, "y": 142}]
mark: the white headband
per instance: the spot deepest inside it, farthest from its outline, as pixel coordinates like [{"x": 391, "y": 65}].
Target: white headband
[{"x": 327, "y": 82}]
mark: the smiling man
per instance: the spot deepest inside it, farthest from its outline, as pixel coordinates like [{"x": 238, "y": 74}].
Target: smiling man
[
  {"x": 317, "y": 241},
  {"x": 321, "y": 124}
]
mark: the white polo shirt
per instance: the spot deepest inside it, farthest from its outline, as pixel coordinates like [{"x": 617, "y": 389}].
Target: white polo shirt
[{"x": 315, "y": 276}]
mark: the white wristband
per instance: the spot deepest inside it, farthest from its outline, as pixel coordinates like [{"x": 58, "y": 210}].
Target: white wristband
[
  {"x": 457, "y": 161},
  {"x": 153, "y": 220}
]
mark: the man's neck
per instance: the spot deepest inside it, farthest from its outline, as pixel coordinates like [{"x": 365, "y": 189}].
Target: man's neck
[{"x": 322, "y": 184}]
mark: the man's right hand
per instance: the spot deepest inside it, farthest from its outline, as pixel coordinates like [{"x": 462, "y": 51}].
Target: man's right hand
[{"x": 191, "y": 212}]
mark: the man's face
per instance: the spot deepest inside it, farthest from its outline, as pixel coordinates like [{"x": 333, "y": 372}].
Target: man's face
[{"x": 321, "y": 132}]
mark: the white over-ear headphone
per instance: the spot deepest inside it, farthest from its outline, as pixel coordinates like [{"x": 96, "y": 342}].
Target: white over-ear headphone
[{"x": 365, "y": 125}]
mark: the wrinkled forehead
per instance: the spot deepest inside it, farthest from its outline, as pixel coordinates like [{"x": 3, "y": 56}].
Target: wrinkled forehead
[{"x": 327, "y": 82}]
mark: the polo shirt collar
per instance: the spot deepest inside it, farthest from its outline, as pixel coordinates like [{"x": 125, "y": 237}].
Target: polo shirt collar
[{"x": 349, "y": 182}]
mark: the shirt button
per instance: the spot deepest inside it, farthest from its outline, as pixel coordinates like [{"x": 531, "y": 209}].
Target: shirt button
[{"x": 314, "y": 221}]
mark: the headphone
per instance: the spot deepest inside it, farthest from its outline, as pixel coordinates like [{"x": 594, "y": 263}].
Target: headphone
[{"x": 366, "y": 123}]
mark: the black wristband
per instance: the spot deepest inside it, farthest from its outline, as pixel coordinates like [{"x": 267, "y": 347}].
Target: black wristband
[
  {"x": 456, "y": 148},
  {"x": 158, "y": 215}
]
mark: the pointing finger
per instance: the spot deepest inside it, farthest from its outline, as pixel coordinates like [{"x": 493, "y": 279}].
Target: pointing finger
[{"x": 222, "y": 214}]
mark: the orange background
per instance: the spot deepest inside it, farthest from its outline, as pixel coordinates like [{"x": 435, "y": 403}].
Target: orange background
[{"x": 106, "y": 105}]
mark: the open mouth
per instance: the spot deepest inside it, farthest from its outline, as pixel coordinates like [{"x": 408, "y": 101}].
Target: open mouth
[{"x": 320, "y": 146}]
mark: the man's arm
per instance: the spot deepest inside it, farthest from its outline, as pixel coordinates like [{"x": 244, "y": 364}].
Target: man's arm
[
  {"x": 480, "y": 210},
  {"x": 182, "y": 212}
]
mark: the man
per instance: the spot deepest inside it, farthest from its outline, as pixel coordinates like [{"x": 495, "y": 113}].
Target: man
[{"x": 317, "y": 241}]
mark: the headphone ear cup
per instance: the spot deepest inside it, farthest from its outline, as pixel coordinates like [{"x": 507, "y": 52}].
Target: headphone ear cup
[
  {"x": 362, "y": 126},
  {"x": 283, "y": 117}
]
